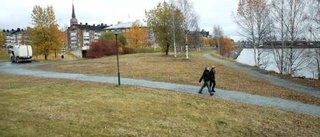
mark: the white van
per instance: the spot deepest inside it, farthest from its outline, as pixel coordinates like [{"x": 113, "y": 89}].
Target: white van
[{"x": 20, "y": 53}]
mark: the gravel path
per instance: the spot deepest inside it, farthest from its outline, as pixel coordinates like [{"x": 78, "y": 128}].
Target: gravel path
[
  {"x": 293, "y": 106},
  {"x": 272, "y": 79}
]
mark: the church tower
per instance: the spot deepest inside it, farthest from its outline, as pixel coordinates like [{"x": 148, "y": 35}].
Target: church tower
[{"x": 73, "y": 20}]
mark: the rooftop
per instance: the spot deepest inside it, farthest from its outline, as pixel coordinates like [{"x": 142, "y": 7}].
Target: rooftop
[
  {"x": 125, "y": 25},
  {"x": 85, "y": 26}
]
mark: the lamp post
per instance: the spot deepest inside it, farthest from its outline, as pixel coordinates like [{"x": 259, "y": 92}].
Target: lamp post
[{"x": 116, "y": 34}]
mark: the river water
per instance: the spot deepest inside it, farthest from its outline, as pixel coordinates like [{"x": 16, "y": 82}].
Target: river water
[{"x": 305, "y": 64}]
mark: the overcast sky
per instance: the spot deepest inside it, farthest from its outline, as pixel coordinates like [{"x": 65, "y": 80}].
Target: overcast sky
[{"x": 17, "y": 13}]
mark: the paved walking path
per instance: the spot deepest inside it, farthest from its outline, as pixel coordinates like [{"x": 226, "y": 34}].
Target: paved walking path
[{"x": 294, "y": 106}]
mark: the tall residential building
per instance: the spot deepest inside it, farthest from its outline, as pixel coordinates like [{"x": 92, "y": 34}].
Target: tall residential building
[
  {"x": 18, "y": 36},
  {"x": 81, "y": 35}
]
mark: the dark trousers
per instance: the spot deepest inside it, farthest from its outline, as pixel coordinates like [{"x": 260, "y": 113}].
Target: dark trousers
[{"x": 212, "y": 85}]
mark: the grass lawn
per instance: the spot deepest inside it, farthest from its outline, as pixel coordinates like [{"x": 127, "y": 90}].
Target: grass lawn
[
  {"x": 4, "y": 56},
  {"x": 158, "y": 67},
  {"x": 51, "y": 107}
]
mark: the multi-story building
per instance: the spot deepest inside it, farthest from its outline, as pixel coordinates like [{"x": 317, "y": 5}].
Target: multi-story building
[
  {"x": 81, "y": 35},
  {"x": 18, "y": 36}
]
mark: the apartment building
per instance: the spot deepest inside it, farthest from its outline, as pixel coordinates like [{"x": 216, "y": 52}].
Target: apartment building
[
  {"x": 16, "y": 36},
  {"x": 79, "y": 36}
]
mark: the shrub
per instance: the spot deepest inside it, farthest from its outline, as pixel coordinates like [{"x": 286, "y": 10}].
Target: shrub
[
  {"x": 100, "y": 49},
  {"x": 110, "y": 36}
]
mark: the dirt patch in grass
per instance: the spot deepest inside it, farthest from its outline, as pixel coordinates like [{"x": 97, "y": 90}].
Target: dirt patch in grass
[
  {"x": 51, "y": 107},
  {"x": 159, "y": 67}
]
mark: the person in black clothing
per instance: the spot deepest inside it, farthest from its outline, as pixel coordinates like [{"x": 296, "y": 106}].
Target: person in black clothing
[
  {"x": 206, "y": 78},
  {"x": 212, "y": 78}
]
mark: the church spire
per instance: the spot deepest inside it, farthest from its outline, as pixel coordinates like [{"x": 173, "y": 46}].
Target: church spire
[
  {"x": 73, "y": 13},
  {"x": 73, "y": 20}
]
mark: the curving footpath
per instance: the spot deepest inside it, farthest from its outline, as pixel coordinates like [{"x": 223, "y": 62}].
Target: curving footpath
[{"x": 293, "y": 106}]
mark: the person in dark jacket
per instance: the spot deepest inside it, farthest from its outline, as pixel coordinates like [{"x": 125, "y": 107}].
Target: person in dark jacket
[
  {"x": 206, "y": 78},
  {"x": 212, "y": 78}
]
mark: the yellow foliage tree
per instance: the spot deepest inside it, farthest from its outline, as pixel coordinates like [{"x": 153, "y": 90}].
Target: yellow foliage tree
[
  {"x": 137, "y": 36},
  {"x": 226, "y": 46},
  {"x": 212, "y": 42},
  {"x": 2, "y": 39},
  {"x": 205, "y": 41},
  {"x": 45, "y": 35}
]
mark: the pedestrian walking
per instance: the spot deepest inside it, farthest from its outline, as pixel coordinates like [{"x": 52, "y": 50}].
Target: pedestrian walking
[
  {"x": 206, "y": 80},
  {"x": 212, "y": 74}
]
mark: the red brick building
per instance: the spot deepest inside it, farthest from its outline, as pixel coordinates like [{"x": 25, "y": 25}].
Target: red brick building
[{"x": 81, "y": 35}]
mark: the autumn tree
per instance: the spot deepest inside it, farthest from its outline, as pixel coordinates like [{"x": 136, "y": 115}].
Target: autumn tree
[
  {"x": 111, "y": 37},
  {"x": 45, "y": 35},
  {"x": 158, "y": 19},
  {"x": 168, "y": 20},
  {"x": 205, "y": 41},
  {"x": 212, "y": 42},
  {"x": 2, "y": 39},
  {"x": 226, "y": 46},
  {"x": 137, "y": 36},
  {"x": 254, "y": 21}
]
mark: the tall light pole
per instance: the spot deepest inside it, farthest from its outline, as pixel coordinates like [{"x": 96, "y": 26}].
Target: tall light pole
[{"x": 116, "y": 33}]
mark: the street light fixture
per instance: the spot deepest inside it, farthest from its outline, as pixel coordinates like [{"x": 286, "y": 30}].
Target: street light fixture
[{"x": 116, "y": 34}]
